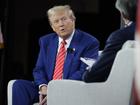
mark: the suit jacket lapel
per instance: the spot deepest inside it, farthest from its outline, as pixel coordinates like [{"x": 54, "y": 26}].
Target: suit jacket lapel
[
  {"x": 70, "y": 55},
  {"x": 52, "y": 55}
]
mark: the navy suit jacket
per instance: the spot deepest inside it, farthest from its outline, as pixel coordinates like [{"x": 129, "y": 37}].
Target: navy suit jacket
[
  {"x": 101, "y": 69},
  {"x": 84, "y": 44}
]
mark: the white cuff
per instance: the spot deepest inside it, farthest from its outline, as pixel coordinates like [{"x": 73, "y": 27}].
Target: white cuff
[{"x": 42, "y": 85}]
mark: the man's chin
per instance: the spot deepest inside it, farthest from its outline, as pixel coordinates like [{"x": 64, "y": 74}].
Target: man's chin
[{"x": 64, "y": 36}]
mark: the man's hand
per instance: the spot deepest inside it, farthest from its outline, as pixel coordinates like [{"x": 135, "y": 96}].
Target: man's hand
[
  {"x": 42, "y": 99},
  {"x": 43, "y": 95},
  {"x": 43, "y": 90}
]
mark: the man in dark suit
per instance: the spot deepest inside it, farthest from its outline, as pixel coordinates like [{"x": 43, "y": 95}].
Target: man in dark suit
[
  {"x": 101, "y": 68},
  {"x": 76, "y": 43}
]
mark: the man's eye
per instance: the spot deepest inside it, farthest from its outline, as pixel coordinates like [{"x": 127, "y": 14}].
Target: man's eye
[{"x": 56, "y": 21}]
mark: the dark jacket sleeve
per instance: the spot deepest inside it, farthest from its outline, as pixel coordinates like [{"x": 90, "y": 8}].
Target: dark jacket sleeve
[{"x": 101, "y": 69}]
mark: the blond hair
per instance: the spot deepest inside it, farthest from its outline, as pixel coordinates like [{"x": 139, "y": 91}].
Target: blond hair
[{"x": 56, "y": 9}]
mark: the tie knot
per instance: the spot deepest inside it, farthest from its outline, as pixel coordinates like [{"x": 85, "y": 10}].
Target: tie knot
[{"x": 64, "y": 42}]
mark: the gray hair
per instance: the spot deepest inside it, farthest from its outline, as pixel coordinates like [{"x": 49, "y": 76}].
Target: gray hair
[
  {"x": 127, "y": 7},
  {"x": 55, "y": 9}
]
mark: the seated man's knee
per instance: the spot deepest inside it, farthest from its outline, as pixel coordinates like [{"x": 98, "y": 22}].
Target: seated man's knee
[{"x": 18, "y": 84}]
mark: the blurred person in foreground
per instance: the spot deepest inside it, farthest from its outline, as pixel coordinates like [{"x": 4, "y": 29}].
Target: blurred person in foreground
[{"x": 100, "y": 70}]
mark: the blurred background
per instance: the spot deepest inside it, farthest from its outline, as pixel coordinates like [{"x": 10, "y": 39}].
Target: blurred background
[{"x": 24, "y": 21}]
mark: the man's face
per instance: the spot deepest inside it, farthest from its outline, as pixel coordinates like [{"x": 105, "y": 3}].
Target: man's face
[{"x": 62, "y": 24}]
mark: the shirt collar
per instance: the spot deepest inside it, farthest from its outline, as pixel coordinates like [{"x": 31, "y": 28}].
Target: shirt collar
[{"x": 128, "y": 24}]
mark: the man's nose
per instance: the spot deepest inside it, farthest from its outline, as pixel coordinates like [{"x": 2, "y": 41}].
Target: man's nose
[{"x": 61, "y": 23}]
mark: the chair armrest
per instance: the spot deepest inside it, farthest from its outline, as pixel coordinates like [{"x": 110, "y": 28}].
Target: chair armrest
[
  {"x": 70, "y": 92},
  {"x": 9, "y": 93}
]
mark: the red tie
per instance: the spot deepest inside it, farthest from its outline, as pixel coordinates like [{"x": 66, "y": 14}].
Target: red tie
[{"x": 58, "y": 71}]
